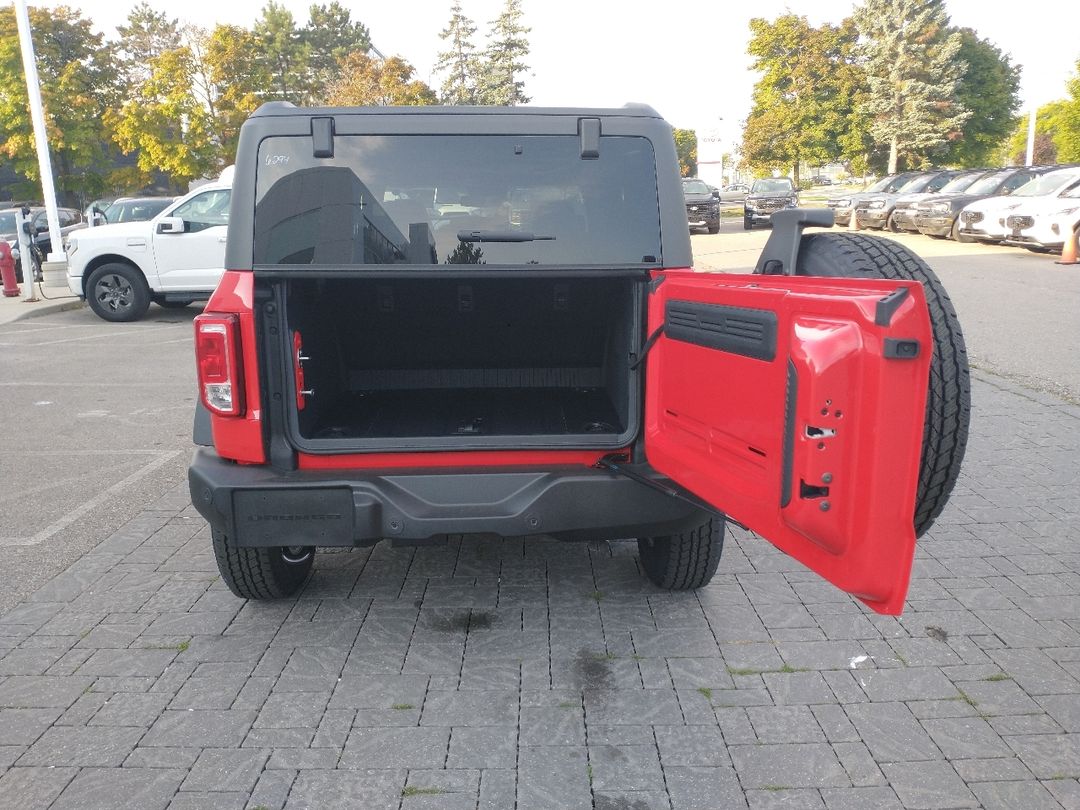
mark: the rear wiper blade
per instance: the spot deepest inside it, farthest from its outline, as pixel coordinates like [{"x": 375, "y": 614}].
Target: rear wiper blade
[{"x": 501, "y": 236}]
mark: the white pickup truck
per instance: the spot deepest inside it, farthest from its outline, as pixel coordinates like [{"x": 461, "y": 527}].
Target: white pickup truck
[{"x": 171, "y": 260}]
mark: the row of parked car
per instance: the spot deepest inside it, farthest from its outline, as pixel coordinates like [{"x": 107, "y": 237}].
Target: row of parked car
[
  {"x": 100, "y": 212},
  {"x": 1036, "y": 207}
]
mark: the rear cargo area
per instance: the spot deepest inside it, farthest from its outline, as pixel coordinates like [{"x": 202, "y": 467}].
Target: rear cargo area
[{"x": 462, "y": 363}]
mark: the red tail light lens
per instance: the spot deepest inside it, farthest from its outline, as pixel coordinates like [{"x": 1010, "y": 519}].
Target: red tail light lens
[{"x": 217, "y": 355}]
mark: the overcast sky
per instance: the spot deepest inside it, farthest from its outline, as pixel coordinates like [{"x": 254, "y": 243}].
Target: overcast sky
[{"x": 689, "y": 63}]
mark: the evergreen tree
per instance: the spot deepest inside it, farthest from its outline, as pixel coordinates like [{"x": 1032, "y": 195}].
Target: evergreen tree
[
  {"x": 459, "y": 62},
  {"x": 285, "y": 54},
  {"x": 147, "y": 35},
  {"x": 499, "y": 81},
  {"x": 330, "y": 36},
  {"x": 990, "y": 90},
  {"x": 913, "y": 74}
]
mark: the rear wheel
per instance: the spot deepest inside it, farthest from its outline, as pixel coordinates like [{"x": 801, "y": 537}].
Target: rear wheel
[
  {"x": 118, "y": 292},
  {"x": 948, "y": 403},
  {"x": 686, "y": 560},
  {"x": 262, "y": 573}
]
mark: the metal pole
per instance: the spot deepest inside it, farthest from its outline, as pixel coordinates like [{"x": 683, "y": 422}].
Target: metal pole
[
  {"x": 37, "y": 115},
  {"x": 1031, "y": 136}
]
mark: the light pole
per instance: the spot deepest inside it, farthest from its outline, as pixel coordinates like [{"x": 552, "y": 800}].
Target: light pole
[{"x": 41, "y": 140}]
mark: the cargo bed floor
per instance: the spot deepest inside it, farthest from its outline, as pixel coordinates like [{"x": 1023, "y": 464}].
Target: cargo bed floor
[{"x": 468, "y": 412}]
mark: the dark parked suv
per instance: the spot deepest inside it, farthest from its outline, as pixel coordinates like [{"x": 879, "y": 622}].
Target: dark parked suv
[
  {"x": 766, "y": 197},
  {"x": 702, "y": 205},
  {"x": 454, "y": 320}
]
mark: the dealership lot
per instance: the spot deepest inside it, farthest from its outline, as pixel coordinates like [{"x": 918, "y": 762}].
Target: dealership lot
[{"x": 487, "y": 672}]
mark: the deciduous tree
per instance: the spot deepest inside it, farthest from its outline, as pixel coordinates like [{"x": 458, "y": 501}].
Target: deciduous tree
[
  {"x": 459, "y": 62},
  {"x": 686, "y": 149},
  {"x": 989, "y": 89},
  {"x": 805, "y": 103},
  {"x": 913, "y": 70},
  {"x": 372, "y": 82},
  {"x": 79, "y": 82}
]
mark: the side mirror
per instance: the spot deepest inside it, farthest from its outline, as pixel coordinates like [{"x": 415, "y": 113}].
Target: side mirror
[
  {"x": 170, "y": 225},
  {"x": 98, "y": 218},
  {"x": 716, "y": 194}
]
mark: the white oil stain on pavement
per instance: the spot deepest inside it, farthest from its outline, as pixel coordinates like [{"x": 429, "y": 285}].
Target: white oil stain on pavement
[
  {"x": 43, "y": 402},
  {"x": 99, "y": 414}
]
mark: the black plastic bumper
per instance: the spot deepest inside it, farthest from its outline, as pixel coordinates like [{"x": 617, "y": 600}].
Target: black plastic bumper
[{"x": 256, "y": 506}]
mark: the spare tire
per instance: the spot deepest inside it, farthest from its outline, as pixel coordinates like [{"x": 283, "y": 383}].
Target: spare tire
[{"x": 948, "y": 402}]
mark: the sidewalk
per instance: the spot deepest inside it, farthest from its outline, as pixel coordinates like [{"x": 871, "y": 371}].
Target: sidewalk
[{"x": 16, "y": 309}]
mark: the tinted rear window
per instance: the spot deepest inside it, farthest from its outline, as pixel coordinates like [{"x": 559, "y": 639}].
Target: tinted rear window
[{"x": 406, "y": 200}]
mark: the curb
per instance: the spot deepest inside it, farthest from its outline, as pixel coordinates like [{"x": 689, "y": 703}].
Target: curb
[{"x": 47, "y": 309}]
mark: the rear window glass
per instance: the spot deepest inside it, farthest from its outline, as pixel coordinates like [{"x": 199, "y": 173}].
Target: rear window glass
[{"x": 456, "y": 199}]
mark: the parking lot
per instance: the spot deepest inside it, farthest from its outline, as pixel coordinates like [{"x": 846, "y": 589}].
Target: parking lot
[{"x": 490, "y": 673}]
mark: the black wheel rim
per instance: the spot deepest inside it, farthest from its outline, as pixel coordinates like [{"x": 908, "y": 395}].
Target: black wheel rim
[{"x": 114, "y": 293}]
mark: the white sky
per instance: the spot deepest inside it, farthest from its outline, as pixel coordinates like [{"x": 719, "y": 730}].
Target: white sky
[{"x": 689, "y": 63}]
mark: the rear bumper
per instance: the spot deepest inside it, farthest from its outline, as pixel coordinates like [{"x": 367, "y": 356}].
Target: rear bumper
[{"x": 258, "y": 507}]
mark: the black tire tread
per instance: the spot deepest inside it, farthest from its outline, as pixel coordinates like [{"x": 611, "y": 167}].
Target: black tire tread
[
  {"x": 686, "y": 560},
  {"x": 948, "y": 406},
  {"x": 250, "y": 573}
]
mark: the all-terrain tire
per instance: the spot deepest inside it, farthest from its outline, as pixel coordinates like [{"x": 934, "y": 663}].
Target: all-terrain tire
[
  {"x": 262, "y": 573},
  {"x": 948, "y": 403},
  {"x": 684, "y": 561}
]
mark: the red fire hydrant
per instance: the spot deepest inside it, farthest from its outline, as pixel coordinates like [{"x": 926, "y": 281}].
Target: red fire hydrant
[{"x": 7, "y": 270}]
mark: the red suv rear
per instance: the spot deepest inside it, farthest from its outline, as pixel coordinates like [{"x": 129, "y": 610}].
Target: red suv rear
[{"x": 455, "y": 320}]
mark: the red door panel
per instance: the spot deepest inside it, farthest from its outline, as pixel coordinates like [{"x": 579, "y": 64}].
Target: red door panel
[{"x": 796, "y": 406}]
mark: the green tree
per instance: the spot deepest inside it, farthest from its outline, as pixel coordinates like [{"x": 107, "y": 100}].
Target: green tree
[
  {"x": 804, "y": 104},
  {"x": 284, "y": 53},
  {"x": 913, "y": 74},
  {"x": 459, "y": 62},
  {"x": 990, "y": 90},
  {"x": 1050, "y": 120},
  {"x": 1067, "y": 137},
  {"x": 499, "y": 80},
  {"x": 165, "y": 122},
  {"x": 330, "y": 35},
  {"x": 686, "y": 149},
  {"x": 372, "y": 82},
  {"x": 236, "y": 82},
  {"x": 147, "y": 35},
  {"x": 79, "y": 83}
]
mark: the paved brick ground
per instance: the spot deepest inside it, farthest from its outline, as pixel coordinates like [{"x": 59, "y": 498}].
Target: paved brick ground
[{"x": 509, "y": 674}]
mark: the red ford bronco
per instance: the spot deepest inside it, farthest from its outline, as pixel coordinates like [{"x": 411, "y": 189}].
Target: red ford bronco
[{"x": 452, "y": 320}]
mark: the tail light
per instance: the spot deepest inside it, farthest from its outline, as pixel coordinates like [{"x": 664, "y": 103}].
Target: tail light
[{"x": 218, "y": 358}]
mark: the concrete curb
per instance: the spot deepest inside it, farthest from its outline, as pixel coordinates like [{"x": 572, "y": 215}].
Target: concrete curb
[{"x": 50, "y": 308}]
